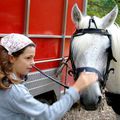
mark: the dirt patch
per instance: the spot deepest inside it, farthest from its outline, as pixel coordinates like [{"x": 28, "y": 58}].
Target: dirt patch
[{"x": 101, "y": 114}]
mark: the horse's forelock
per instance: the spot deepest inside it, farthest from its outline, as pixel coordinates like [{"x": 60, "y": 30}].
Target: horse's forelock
[
  {"x": 114, "y": 30},
  {"x": 84, "y": 23}
]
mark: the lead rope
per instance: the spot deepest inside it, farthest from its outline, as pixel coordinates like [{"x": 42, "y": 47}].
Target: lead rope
[
  {"x": 51, "y": 78},
  {"x": 64, "y": 64},
  {"x": 66, "y": 76}
]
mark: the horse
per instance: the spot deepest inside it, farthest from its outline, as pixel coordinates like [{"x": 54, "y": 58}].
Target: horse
[{"x": 95, "y": 47}]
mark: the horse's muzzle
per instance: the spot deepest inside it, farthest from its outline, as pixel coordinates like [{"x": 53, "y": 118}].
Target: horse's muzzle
[{"x": 90, "y": 106}]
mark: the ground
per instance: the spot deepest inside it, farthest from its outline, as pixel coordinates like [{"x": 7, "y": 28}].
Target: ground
[{"x": 101, "y": 114}]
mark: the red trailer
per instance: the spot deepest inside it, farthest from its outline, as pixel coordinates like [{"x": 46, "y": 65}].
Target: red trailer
[{"x": 48, "y": 23}]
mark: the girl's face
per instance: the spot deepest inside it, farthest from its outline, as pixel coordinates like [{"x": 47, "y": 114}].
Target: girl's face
[{"x": 23, "y": 64}]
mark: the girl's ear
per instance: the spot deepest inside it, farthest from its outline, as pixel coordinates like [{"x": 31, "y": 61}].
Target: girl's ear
[{"x": 11, "y": 58}]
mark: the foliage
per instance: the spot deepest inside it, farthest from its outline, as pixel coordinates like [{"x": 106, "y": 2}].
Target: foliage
[{"x": 102, "y": 7}]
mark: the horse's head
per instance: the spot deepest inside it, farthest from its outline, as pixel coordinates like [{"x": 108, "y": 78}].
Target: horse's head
[{"x": 91, "y": 51}]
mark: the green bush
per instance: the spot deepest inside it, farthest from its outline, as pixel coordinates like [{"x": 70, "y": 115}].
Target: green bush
[{"x": 102, "y": 7}]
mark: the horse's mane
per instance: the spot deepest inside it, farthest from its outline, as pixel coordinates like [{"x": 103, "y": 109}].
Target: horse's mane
[{"x": 114, "y": 30}]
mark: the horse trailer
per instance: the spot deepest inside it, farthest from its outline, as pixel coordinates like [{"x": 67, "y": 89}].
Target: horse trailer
[{"x": 48, "y": 23}]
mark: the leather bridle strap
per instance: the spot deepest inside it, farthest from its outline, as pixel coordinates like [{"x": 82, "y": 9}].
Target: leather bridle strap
[
  {"x": 89, "y": 69},
  {"x": 80, "y": 32}
]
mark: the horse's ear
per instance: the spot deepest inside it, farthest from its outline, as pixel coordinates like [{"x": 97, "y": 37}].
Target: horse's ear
[
  {"x": 76, "y": 14},
  {"x": 110, "y": 17}
]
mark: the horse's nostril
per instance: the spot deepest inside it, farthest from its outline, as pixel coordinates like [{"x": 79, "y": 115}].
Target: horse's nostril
[
  {"x": 99, "y": 99},
  {"x": 81, "y": 100}
]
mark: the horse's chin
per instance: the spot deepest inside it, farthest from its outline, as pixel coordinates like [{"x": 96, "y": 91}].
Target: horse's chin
[{"x": 90, "y": 108}]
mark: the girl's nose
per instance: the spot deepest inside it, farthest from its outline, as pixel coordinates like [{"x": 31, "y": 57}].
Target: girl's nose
[{"x": 32, "y": 62}]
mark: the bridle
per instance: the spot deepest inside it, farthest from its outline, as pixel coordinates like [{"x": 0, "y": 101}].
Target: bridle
[{"x": 102, "y": 77}]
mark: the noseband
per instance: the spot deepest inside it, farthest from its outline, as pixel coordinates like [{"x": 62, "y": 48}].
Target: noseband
[{"x": 102, "y": 77}]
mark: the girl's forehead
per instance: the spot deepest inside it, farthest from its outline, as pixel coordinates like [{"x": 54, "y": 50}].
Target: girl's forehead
[{"x": 30, "y": 50}]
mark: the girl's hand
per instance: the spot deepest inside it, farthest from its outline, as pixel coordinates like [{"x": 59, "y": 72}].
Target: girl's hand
[{"x": 84, "y": 80}]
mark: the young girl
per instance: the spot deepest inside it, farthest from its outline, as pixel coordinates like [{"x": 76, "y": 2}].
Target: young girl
[{"x": 16, "y": 103}]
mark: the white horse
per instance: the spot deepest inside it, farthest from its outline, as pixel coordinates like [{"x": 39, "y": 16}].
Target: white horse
[{"x": 95, "y": 47}]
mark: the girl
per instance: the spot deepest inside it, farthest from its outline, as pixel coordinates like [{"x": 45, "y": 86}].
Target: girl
[{"x": 16, "y": 103}]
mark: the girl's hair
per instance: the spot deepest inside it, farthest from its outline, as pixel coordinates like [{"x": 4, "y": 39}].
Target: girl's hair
[{"x": 6, "y": 67}]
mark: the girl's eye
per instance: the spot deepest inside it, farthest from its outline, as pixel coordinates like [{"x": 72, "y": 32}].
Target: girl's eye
[{"x": 28, "y": 58}]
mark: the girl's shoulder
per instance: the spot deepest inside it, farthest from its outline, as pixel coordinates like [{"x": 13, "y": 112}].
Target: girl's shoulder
[{"x": 18, "y": 91}]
